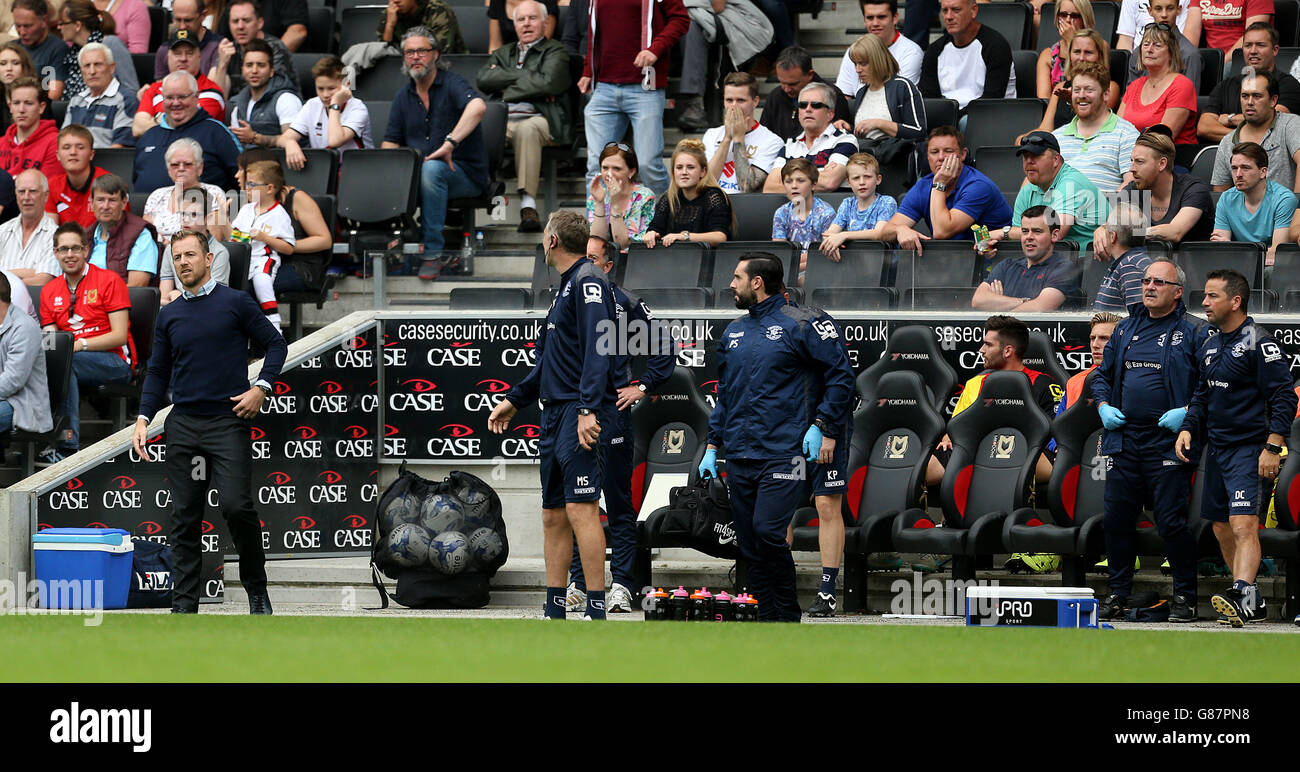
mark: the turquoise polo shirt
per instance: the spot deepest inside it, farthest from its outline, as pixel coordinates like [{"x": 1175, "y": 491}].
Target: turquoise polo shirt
[{"x": 1070, "y": 193}]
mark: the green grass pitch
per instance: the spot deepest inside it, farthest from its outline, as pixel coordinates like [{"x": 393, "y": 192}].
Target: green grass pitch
[{"x": 161, "y": 648}]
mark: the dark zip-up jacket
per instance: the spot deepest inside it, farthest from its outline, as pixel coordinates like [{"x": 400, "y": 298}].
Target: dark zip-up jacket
[
  {"x": 780, "y": 367},
  {"x": 1243, "y": 389},
  {"x": 572, "y": 362},
  {"x": 1178, "y": 367},
  {"x": 659, "y": 365}
]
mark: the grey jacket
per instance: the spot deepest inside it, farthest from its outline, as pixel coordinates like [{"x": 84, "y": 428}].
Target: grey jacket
[{"x": 23, "y": 382}]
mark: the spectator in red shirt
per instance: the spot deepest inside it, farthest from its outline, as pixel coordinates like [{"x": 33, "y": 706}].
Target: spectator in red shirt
[
  {"x": 625, "y": 72},
  {"x": 29, "y": 143},
  {"x": 69, "y": 199},
  {"x": 182, "y": 54},
  {"x": 1225, "y": 21},
  {"x": 1164, "y": 94},
  {"x": 92, "y": 304}
]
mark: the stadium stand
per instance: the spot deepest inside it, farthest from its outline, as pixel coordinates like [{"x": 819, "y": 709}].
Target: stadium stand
[
  {"x": 320, "y": 33},
  {"x": 1198, "y": 258},
  {"x": 1013, "y": 20},
  {"x": 381, "y": 82},
  {"x": 119, "y": 161},
  {"x": 318, "y": 176},
  {"x": 675, "y": 267},
  {"x": 58, "y": 369},
  {"x": 357, "y": 24},
  {"x": 1285, "y": 58},
  {"x": 753, "y": 213},
  {"x": 473, "y": 298},
  {"x": 1001, "y": 164},
  {"x": 142, "y": 316},
  {"x": 856, "y": 281},
  {"x": 370, "y": 215},
  {"x": 1284, "y": 540},
  {"x": 1106, "y": 15},
  {"x": 1284, "y": 280},
  {"x": 1211, "y": 69},
  {"x": 240, "y": 257},
  {"x": 316, "y": 296},
  {"x": 727, "y": 254},
  {"x": 1000, "y": 121}
]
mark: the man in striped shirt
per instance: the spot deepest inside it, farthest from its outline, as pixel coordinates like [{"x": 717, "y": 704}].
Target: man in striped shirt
[
  {"x": 1121, "y": 287},
  {"x": 1097, "y": 142}
]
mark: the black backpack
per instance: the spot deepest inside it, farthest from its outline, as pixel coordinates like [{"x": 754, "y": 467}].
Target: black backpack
[
  {"x": 441, "y": 541},
  {"x": 699, "y": 517}
]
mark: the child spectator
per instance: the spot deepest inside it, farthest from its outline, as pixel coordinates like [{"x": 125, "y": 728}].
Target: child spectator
[
  {"x": 334, "y": 118},
  {"x": 802, "y": 220},
  {"x": 861, "y": 215},
  {"x": 268, "y": 229}
]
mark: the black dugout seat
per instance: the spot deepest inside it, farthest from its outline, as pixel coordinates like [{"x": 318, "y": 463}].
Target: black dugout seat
[
  {"x": 1041, "y": 356},
  {"x": 1284, "y": 540},
  {"x": 996, "y": 443},
  {"x": 912, "y": 348},
  {"x": 1075, "y": 497}
]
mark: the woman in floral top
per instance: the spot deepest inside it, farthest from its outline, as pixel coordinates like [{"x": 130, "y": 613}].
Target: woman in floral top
[
  {"x": 805, "y": 218},
  {"x": 618, "y": 208}
]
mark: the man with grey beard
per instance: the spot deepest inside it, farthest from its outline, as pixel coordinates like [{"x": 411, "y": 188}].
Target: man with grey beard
[{"x": 438, "y": 114}]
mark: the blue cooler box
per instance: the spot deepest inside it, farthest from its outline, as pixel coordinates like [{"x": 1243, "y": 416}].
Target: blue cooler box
[
  {"x": 1031, "y": 607},
  {"x": 83, "y": 555}
]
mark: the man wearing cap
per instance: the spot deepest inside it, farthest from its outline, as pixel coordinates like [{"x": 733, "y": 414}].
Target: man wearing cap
[
  {"x": 183, "y": 55},
  {"x": 1053, "y": 182},
  {"x": 187, "y": 16}
]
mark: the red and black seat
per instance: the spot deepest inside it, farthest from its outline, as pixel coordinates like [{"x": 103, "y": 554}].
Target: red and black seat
[
  {"x": 671, "y": 428},
  {"x": 1075, "y": 496},
  {"x": 912, "y": 347},
  {"x": 1284, "y": 540},
  {"x": 893, "y": 436},
  {"x": 996, "y": 443}
]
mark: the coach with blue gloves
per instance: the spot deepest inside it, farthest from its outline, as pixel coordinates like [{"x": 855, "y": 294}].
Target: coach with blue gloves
[
  {"x": 770, "y": 364},
  {"x": 618, "y": 442},
  {"x": 1146, "y": 379},
  {"x": 1243, "y": 405},
  {"x": 572, "y": 378}
]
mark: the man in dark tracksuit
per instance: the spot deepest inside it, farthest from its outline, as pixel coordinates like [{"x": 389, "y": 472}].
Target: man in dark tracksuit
[
  {"x": 1244, "y": 403},
  {"x": 575, "y": 384},
  {"x": 770, "y": 362},
  {"x": 1146, "y": 379},
  {"x": 618, "y": 442}
]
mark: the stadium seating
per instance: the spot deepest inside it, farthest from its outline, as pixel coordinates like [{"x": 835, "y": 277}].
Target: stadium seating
[
  {"x": 240, "y": 257},
  {"x": 367, "y": 208},
  {"x": 318, "y": 295},
  {"x": 853, "y": 282},
  {"x": 143, "y": 64},
  {"x": 1075, "y": 497},
  {"x": 1284, "y": 279},
  {"x": 381, "y": 82},
  {"x": 1119, "y": 60},
  {"x": 889, "y": 450},
  {"x": 473, "y": 298},
  {"x": 466, "y": 65},
  {"x": 670, "y": 437},
  {"x": 1203, "y": 166},
  {"x": 58, "y": 369},
  {"x": 681, "y": 265},
  {"x": 941, "y": 112},
  {"x": 59, "y": 111},
  {"x": 676, "y": 297},
  {"x": 1211, "y": 69},
  {"x": 545, "y": 280},
  {"x": 1284, "y": 540},
  {"x": 474, "y": 28},
  {"x": 1025, "y": 64},
  {"x": 912, "y": 348},
  {"x": 493, "y": 127},
  {"x": 320, "y": 32},
  {"x": 142, "y": 315},
  {"x": 1000, "y": 121},
  {"x": 943, "y": 276},
  {"x": 754, "y": 212},
  {"x": 358, "y": 24},
  {"x": 996, "y": 444},
  {"x": 1012, "y": 20},
  {"x": 302, "y": 64},
  {"x": 1002, "y": 165},
  {"x": 1105, "y": 14},
  {"x": 727, "y": 254},
  {"x": 379, "y": 110},
  {"x": 137, "y": 200},
  {"x": 119, "y": 161},
  {"x": 1285, "y": 21},
  {"x": 1197, "y": 258},
  {"x": 1285, "y": 58},
  {"x": 159, "y": 20},
  {"x": 318, "y": 176},
  {"x": 341, "y": 6}
]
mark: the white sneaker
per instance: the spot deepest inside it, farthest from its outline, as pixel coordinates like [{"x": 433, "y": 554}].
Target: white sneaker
[
  {"x": 619, "y": 600},
  {"x": 575, "y": 600}
]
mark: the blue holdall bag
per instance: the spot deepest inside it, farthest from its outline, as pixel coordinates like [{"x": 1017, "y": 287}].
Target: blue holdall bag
[{"x": 151, "y": 575}]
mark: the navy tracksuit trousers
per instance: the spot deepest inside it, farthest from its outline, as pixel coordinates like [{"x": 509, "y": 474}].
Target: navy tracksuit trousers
[
  {"x": 764, "y": 495},
  {"x": 1128, "y": 480},
  {"x": 617, "y": 488}
]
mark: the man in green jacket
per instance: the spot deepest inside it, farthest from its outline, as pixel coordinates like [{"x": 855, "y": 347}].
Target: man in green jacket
[{"x": 532, "y": 76}]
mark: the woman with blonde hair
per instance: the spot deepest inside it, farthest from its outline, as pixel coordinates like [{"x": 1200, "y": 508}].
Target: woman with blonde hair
[
  {"x": 1163, "y": 95},
  {"x": 1071, "y": 16},
  {"x": 887, "y": 105},
  {"x": 694, "y": 209}
]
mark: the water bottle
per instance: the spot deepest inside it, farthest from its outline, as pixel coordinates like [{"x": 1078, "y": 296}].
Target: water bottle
[
  {"x": 702, "y": 605},
  {"x": 680, "y": 605},
  {"x": 480, "y": 246},
  {"x": 657, "y": 607},
  {"x": 466, "y": 251},
  {"x": 722, "y": 608}
]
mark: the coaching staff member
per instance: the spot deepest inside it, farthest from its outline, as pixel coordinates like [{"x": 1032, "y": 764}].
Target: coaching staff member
[
  {"x": 1146, "y": 379},
  {"x": 1244, "y": 403},
  {"x": 201, "y": 349},
  {"x": 574, "y": 380},
  {"x": 618, "y": 442},
  {"x": 770, "y": 362}
]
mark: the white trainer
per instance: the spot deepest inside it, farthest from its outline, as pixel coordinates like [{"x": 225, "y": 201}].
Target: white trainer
[
  {"x": 575, "y": 600},
  {"x": 618, "y": 600}
]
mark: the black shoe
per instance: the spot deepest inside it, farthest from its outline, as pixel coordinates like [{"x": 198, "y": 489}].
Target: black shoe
[
  {"x": 824, "y": 606},
  {"x": 1112, "y": 608},
  {"x": 1260, "y": 613},
  {"x": 183, "y": 610},
  {"x": 1183, "y": 609},
  {"x": 1228, "y": 603},
  {"x": 529, "y": 220},
  {"x": 692, "y": 117},
  {"x": 259, "y": 603}
]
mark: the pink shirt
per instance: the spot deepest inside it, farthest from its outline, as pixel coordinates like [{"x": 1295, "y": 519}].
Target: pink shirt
[
  {"x": 133, "y": 25},
  {"x": 1179, "y": 93}
]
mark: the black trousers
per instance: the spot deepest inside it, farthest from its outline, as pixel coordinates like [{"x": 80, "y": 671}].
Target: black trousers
[
  {"x": 764, "y": 495},
  {"x": 223, "y": 443}
]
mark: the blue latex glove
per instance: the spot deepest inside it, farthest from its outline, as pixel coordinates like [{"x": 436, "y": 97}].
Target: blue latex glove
[
  {"x": 709, "y": 464},
  {"x": 1173, "y": 419},
  {"x": 812, "y": 443},
  {"x": 1111, "y": 418}
]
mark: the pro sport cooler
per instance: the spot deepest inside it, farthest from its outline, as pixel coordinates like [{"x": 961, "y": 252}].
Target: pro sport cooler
[
  {"x": 70, "y": 560},
  {"x": 1031, "y": 607}
]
